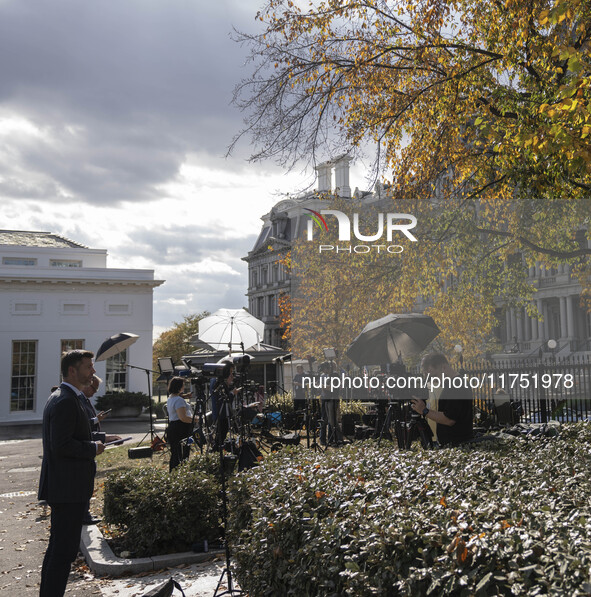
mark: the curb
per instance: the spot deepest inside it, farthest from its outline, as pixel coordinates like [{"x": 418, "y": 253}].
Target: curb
[{"x": 101, "y": 559}]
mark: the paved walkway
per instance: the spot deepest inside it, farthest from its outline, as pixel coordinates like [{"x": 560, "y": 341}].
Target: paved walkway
[{"x": 24, "y": 530}]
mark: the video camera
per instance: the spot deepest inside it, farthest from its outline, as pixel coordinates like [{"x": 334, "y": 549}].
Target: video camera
[{"x": 215, "y": 370}]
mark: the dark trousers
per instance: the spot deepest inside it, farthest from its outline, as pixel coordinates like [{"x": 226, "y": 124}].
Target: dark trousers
[
  {"x": 177, "y": 431},
  {"x": 64, "y": 540}
]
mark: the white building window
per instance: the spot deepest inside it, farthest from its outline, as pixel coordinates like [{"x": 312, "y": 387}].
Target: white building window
[
  {"x": 72, "y": 308},
  {"x": 65, "y": 263},
  {"x": 68, "y": 345},
  {"x": 25, "y": 307},
  {"x": 116, "y": 372},
  {"x": 24, "y": 371},
  {"x": 19, "y": 261},
  {"x": 118, "y": 309}
]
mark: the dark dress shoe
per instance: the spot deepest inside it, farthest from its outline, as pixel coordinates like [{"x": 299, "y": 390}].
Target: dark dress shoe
[{"x": 91, "y": 520}]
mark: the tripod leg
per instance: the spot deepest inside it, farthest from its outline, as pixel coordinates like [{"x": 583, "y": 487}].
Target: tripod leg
[{"x": 386, "y": 425}]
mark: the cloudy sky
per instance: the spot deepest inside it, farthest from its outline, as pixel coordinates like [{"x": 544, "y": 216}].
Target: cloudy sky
[{"x": 115, "y": 117}]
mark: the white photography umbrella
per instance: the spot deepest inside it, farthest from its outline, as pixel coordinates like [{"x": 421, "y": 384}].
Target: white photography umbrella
[{"x": 232, "y": 329}]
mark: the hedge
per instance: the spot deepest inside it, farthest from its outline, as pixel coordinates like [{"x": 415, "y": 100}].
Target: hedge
[
  {"x": 164, "y": 512},
  {"x": 120, "y": 399},
  {"x": 509, "y": 518}
]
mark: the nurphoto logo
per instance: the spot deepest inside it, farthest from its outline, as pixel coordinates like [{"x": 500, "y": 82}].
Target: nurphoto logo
[{"x": 399, "y": 223}]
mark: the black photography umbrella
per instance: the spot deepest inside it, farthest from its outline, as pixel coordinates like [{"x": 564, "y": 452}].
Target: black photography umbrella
[
  {"x": 388, "y": 339},
  {"x": 114, "y": 345}
]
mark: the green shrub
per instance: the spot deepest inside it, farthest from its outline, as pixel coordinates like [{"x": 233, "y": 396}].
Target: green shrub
[
  {"x": 158, "y": 409},
  {"x": 119, "y": 399},
  {"x": 280, "y": 402},
  {"x": 164, "y": 512},
  {"x": 496, "y": 519}
]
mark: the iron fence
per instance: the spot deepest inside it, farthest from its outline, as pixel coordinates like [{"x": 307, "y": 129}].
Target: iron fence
[{"x": 557, "y": 388}]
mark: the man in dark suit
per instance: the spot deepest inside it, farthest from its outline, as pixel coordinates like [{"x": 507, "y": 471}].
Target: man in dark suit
[
  {"x": 95, "y": 430},
  {"x": 67, "y": 470}
]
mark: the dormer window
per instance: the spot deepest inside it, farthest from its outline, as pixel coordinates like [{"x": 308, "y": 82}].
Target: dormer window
[
  {"x": 26, "y": 261},
  {"x": 65, "y": 263}
]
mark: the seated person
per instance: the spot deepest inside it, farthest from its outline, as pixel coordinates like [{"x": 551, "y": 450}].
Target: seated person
[{"x": 455, "y": 408}]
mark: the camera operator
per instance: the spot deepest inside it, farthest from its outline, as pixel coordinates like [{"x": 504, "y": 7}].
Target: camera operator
[
  {"x": 454, "y": 414},
  {"x": 180, "y": 420}
]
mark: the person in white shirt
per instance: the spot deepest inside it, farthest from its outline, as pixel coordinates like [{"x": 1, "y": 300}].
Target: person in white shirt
[{"x": 180, "y": 420}]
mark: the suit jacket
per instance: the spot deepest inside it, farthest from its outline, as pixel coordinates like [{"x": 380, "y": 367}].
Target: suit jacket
[
  {"x": 68, "y": 467},
  {"x": 95, "y": 428}
]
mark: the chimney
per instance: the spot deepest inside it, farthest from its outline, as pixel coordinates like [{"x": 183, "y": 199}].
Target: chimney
[
  {"x": 324, "y": 177},
  {"x": 341, "y": 173}
]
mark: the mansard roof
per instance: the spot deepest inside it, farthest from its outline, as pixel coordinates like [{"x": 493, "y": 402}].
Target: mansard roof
[{"x": 25, "y": 238}]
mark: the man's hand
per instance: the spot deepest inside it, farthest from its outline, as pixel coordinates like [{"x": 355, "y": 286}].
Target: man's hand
[
  {"x": 113, "y": 438},
  {"x": 418, "y": 405},
  {"x": 100, "y": 448},
  {"x": 103, "y": 414}
]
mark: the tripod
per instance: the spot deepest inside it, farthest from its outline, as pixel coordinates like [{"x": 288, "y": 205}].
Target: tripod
[
  {"x": 198, "y": 435},
  {"x": 220, "y": 446},
  {"x": 312, "y": 421},
  {"x": 407, "y": 431},
  {"x": 390, "y": 413}
]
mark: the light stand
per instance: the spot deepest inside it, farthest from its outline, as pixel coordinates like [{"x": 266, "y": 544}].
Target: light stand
[{"x": 148, "y": 371}]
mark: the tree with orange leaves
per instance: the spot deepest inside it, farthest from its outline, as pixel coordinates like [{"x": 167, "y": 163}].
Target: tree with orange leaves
[{"x": 480, "y": 116}]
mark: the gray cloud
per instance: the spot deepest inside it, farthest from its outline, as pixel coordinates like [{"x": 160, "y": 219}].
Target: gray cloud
[
  {"x": 184, "y": 294},
  {"x": 121, "y": 92},
  {"x": 100, "y": 105},
  {"x": 179, "y": 245}
]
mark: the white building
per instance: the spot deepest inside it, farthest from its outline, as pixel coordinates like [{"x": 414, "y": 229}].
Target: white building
[{"x": 55, "y": 295}]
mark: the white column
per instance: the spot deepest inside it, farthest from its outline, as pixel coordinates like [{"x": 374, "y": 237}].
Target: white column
[
  {"x": 508, "y": 326},
  {"x": 514, "y": 326},
  {"x": 563, "y": 321},
  {"x": 520, "y": 321},
  {"x": 570, "y": 316},
  {"x": 533, "y": 328},
  {"x": 541, "y": 334}
]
